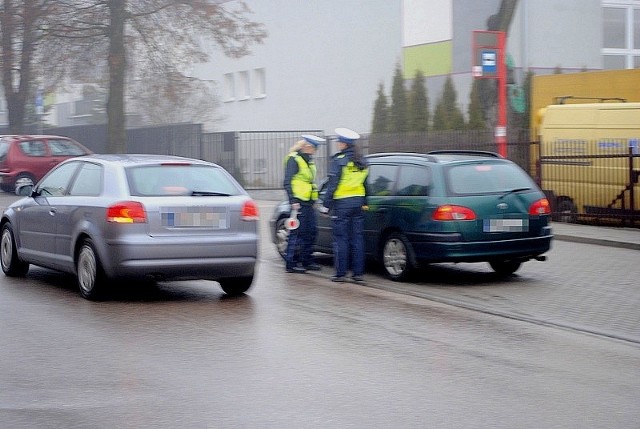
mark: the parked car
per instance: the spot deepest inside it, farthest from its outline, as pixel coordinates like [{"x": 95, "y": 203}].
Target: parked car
[
  {"x": 106, "y": 217},
  {"x": 443, "y": 206},
  {"x": 25, "y": 159}
]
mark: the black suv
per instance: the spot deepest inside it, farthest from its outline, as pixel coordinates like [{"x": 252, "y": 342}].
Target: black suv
[{"x": 444, "y": 206}]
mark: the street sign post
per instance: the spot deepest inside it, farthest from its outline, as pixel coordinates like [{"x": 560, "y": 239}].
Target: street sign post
[
  {"x": 39, "y": 103},
  {"x": 39, "y": 108},
  {"x": 489, "y": 63}
]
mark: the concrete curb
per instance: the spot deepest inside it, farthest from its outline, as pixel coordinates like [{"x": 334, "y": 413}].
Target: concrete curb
[{"x": 597, "y": 241}]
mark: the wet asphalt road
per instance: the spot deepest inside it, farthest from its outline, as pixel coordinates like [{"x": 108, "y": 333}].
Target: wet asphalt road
[{"x": 553, "y": 347}]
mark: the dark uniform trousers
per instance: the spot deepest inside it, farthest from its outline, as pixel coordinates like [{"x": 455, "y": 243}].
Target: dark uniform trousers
[
  {"x": 301, "y": 240},
  {"x": 348, "y": 243}
]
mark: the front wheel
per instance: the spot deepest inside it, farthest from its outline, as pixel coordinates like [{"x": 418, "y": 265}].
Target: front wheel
[
  {"x": 396, "y": 257},
  {"x": 505, "y": 268},
  {"x": 89, "y": 271},
  {"x": 24, "y": 179},
  {"x": 282, "y": 237},
  {"x": 12, "y": 266},
  {"x": 236, "y": 286}
]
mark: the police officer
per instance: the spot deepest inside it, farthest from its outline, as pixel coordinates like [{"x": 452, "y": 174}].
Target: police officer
[
  {"x": 302, "y": 191},
  {"x": 346, "y": 196}
]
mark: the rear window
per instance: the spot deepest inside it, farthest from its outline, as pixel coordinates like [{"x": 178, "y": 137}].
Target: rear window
[
  {"x": 4, "y": 149},
  {"x": 486, "y": 178},
  {"x": 65, "y": 148},
  {"x": 180, "y": 179}
]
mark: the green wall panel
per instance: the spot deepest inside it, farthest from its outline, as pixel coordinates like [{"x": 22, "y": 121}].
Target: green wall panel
[{"x": 433, "y": 59}]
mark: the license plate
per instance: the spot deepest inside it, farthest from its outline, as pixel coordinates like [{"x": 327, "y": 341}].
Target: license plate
[
  {"x": 196, "y": 218},
  {"x": 506, "y": 225}
]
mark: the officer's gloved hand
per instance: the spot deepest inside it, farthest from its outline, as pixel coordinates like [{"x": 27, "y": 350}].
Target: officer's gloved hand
[{"x": 323, "y": 210}]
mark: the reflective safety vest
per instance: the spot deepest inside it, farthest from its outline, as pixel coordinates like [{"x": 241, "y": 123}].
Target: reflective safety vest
[
  {"x": 351, "y": 182},
  {"x": 303, "y": 182}
]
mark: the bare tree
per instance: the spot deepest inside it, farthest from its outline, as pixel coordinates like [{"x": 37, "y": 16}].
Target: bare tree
[
  {"x": 173, "y": 98},
  {"x": 24, "y": 29},
  {"x": 20, "y": 23},
  {"x": 151, "y": 45}
]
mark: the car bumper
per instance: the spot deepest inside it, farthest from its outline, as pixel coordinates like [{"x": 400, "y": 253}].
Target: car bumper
[
  {"x": 7, "y": 178},
  {"x": 448, "y": 249},
  {"x": 180, "y": 261},
  {"x": 187, "y": 269}
]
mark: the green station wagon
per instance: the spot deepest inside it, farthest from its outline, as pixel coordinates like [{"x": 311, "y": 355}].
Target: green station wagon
[{"x": 444, "y": 206}]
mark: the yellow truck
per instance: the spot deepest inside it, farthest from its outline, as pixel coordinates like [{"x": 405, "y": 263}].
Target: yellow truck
[{"x": 588, "y": 159}]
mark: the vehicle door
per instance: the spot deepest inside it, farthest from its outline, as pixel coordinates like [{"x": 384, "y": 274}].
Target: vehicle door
[
  {"x": 412, "y": 208},
  {"x": 35, "y": 158},
  {"x": 78, "y": 206},
  {"x": 381, "y": 184},
  {"x": 324, "y": 240},
  {"x": 38, "y": 222}
]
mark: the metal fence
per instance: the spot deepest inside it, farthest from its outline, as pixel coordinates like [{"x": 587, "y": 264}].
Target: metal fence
[
  {"x": 177, "y": 139},
  {"x": 422, "y": 142},
  {"x": 593, "y": 181},
  {"x": 599, "y": 185},
  {"x": 256, "y": 158}
]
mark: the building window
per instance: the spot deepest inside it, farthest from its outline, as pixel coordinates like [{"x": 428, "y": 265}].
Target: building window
[
  {"x": 229, "y": 87},
  {"x": 613, "y": 62},
  {"x": 260, "y": 83},
  {"x": 621, "y": 34},
  {"x": 244, "y": 87},
  {"x": 614, "y": 27},
  {"x": 636, "y": 28}
]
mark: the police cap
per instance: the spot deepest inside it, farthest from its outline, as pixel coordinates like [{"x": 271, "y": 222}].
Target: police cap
[{"x": 345, "y": 135}]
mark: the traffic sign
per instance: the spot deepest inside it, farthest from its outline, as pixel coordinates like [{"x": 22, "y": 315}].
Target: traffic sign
[{"x": 39, "y": 102}]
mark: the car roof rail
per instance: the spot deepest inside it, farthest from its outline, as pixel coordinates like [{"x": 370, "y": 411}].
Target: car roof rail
[
  {"x": 418, "y": 154},
  {"x": 465, "y": 152}
]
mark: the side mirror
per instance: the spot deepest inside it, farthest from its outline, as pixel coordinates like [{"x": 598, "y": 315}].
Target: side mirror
[{"x": 24, "y": 190}]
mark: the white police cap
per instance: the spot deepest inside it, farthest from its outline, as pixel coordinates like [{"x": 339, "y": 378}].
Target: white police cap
[
  {"x": 345, "y": 135},
  {"x": 314, "y": 140}
]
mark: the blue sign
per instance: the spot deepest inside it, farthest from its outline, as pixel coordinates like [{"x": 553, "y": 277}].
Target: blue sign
[
  {"x": 489, "y": 61},
  {"x": 39, "y": 102}
]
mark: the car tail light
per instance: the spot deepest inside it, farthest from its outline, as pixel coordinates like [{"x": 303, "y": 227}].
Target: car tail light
[
  {"x": 250, "y": 211},
  {"x": 451, "y": 212},
  {"x": 126, "y": 212},
  {"x": 540, "y": 207}
]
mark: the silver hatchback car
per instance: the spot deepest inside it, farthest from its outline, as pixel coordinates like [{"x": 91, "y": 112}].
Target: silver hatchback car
[{"x": 105, "y": 217}]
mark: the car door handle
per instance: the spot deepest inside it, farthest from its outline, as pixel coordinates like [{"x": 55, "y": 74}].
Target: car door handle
[{"x": 52, "y": 212}]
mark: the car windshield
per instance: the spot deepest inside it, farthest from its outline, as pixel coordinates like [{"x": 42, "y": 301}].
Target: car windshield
[
  {"x": 487, "y": 178},
  {"x": 180, "y": 179}
]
